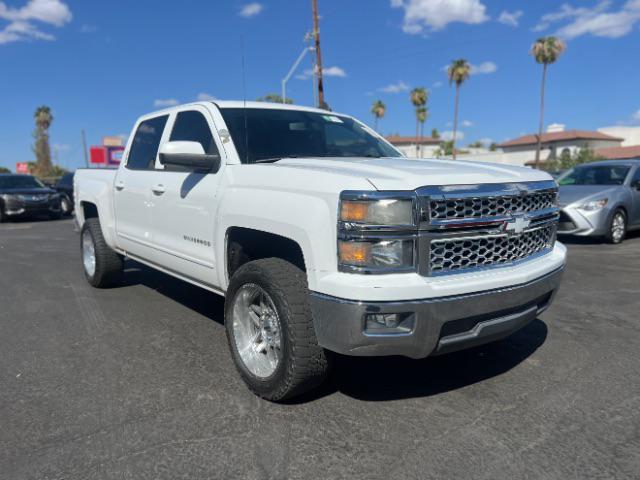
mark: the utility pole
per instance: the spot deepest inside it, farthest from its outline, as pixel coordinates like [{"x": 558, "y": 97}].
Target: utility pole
[
  {"x": 84, "y": 149},
  {"x": 316, "y": 35}
]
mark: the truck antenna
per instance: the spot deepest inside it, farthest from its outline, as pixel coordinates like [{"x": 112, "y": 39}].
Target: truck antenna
[{"x": 244, "y": 102}]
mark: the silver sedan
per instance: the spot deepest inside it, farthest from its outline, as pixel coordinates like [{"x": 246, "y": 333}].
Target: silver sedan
[{"x": 600, "y": 199}]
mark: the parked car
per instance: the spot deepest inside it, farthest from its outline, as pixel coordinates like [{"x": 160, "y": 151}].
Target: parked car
[
  {"x": 64, "y": 186},
  {"x": 23, "y": 195},
  {"x": 601, "y": 199},
  {"x": 322, "y": 236}
]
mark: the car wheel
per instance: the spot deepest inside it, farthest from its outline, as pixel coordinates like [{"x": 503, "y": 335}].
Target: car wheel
[
  {"x": 65, "y": 205},
  {"x": 270, "y": 330},
  {"x": 617, "y": 227},
  {"x": 102, "y": 266},
  {"x": 3, "y": 216}
]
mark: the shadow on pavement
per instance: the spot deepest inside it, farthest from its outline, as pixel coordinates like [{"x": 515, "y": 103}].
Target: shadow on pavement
[{"x": 373, "y": 378}]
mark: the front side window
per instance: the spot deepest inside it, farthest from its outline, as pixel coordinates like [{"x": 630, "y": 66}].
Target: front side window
[
  {"x": 146, "y": 141},
  {"x": 192, "y": 126},
  {"x": 264, "y": 134},
  {"x": 20, "y": 181},
  {"x": 595, "y": 175}
]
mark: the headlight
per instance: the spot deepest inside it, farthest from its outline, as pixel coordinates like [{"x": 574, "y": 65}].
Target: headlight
[
  {"x": 387, "y": 212},
  {"x": 376, "y": 254},
  {"x": 593, "y": 205}
]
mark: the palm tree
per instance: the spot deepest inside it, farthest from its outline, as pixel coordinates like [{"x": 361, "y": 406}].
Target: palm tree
[
  {"x": 378, "y": 109},
  {"x": 421, "y": 115},
  {"x": 419, "y": 97},
  {"x": 546, "y": 50},
  {"x": 43, "y": 119},
  {"x": 458, "y": 73}
]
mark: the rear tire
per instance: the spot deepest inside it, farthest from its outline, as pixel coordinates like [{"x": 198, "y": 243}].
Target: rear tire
[
  {"x": 617, "y": 227},
  {"x": 102, "y": 266},
  {"x": 279, "y": 326},
  {"x": 66, "y": 206}
]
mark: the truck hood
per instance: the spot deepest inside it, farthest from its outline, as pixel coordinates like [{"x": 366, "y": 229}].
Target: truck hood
[
  {"x": 409, "y": 174},
  {"x": 569, "y": 194}
]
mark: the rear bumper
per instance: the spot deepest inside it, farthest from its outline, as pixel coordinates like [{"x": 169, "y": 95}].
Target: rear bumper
[{"x": 441, "y": 325}]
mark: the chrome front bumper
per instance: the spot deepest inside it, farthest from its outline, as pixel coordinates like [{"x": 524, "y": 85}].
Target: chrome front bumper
[{"x": 441, "y": 325}]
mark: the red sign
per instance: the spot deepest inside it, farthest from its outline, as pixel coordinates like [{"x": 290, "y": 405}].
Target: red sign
[
  {"x": 98, "y": 155},
  {"x": 22, "y": 167}
]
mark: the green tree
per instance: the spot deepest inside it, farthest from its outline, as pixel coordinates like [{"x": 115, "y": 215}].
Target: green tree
[
  {"x": 493, "y": 147},
  {"x": 419, "y": 97},
  {"x": 378, "y": 109},
  {"x": 568, "y": 160},
  {"x": 422, "y": 113},
  {"x": 458, "y": 72},
  {"x": 43, "y": 119},
  {"x": 275, "y": 98},
  {"x": 445, "y": 149},
  {"x": 435, "y": 133},
  {"x": 546, "y": 50},
  {"x": 4, "y": 170}
]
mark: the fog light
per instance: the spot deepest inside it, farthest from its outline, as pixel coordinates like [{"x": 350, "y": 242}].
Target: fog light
[{"x": 388, "y": 323}]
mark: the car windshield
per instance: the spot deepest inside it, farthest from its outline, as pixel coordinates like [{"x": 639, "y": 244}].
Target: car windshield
[
  {"x": 269, "y": 134},
  {"x": 595, "y": 175},
  {"x": 20, "y": 181}
]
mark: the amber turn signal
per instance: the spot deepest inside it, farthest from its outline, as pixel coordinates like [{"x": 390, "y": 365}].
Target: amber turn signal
[
  {"x": 351, "y": 211},
  {"x": 354, "y": 253}
]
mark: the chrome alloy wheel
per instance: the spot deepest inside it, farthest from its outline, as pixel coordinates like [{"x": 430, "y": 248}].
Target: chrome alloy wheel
[
  {"x": 256, "y": 330},
  {"x": 88, "y": 253},
  {"x": 618, "y": 227}
]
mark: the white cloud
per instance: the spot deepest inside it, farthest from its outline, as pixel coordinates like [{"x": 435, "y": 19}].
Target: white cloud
[
  {"x": 21, "y": 26},
  {"x": 510, "y": 18},
  {"x": 327, "y": 72},
  {"x": 636, "y": 116},
  {"x": 448, "y": 135},
  {"x": 437, "y": 14},
  {"x": 251, "y": 10},
  {"x": 165, "y": 102},
  {"x": 484, "y": 67},
  {"x": 88, "y": 28},
  {"x": 205, "y": 97},
  {"x": 437, "y": 84},
  {"x": 397, "y": 87},
  {"x": 486, "y": 141},
  {"x": 598, "y": 20},
  {"x": 466, "y": 123}
]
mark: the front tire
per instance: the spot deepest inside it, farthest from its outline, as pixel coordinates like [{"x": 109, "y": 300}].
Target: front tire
[
  {"x": 102, "y": 266},
  {"x": 270, "y": 330},
  {"x": 617, "y": 227}
]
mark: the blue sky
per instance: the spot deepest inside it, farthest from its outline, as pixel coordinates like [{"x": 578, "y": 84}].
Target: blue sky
[{"x": 99, "y": 65}]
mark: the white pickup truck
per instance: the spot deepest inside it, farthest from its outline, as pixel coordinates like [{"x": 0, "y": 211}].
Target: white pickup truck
[{"x": 322, "y": 236}]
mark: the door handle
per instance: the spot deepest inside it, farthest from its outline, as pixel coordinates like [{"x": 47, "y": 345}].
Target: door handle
[
  {"x": 158, "y": 189},
  {"x": 119, "y": 185}
]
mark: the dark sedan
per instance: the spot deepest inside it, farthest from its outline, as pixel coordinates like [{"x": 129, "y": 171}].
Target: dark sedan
[
  {"x": 64, "y": 187},
  {"x": 24, "y": 195}
]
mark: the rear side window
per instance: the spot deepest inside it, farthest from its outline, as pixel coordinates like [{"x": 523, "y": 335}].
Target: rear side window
[
  {"x": 146, "y": 141},
  {"x": 192, "y": 126}
]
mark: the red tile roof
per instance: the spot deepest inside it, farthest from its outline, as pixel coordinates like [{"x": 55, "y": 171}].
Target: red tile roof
[
  {"x": 399, "y": 140},
  {"x": 619, "y": 153},
  {"x": 550, "y": 137}
]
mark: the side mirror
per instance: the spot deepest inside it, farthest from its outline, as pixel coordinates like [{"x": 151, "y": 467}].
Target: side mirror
[
  {"x": 188, "y": 155},
  {"x": 636, "y": 185}
]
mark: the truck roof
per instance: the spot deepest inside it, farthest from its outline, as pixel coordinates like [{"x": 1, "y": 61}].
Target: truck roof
[{"x": 242, "y": 103}]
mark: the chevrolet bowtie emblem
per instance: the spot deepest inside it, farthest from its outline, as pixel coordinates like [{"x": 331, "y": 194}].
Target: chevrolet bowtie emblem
[{"x": 517, "y": 225}]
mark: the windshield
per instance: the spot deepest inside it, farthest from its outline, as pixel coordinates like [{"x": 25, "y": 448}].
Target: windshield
[
  {"x": 20, "y": 181},
  {"x": 595, "y": 175},
  {"x": 274, "y": 134}
]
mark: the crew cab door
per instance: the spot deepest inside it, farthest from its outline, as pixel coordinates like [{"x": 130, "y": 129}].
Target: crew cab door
[
  {"x": 185, "y": 202},
  {"x": 132, "y": 189}
]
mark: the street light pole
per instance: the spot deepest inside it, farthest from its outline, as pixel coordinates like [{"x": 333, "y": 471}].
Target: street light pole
[{"x": 291, "y": 70}]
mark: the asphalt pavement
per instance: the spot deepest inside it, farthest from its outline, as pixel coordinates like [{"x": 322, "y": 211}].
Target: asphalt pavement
[{"x": 136, "y": 382}]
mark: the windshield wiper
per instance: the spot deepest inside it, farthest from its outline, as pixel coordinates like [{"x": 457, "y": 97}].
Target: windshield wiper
[{"x": 273, "y": 159}]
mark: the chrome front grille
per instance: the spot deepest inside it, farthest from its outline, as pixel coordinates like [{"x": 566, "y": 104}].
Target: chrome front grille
[
  {"x": 475, "y": 206},
  {"x": 448, "y": 255},
  {"x": 467, "y": 227}
]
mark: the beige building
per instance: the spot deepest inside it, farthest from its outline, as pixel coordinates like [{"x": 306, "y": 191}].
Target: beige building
[{"x": 415, "y": 147}]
